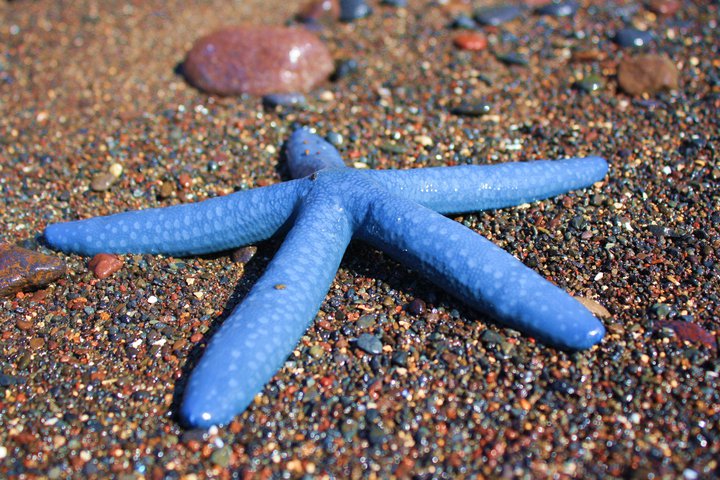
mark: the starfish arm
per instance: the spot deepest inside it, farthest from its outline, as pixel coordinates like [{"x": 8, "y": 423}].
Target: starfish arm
[
  {"x": 212, "y": 225},
  {"x": 480, "y": 273},
  {"x": 471, "y": 188},
  {"x": 307, "y": 153},
  {"x": 257, "y": 337}
]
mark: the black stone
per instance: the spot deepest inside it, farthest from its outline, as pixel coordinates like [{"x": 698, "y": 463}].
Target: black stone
[
  {"x": 495, "y": 16},
  {"x": 351, "y": 10},
  {"x": 632, "y": 37},
  {"x": 369, "y": 344},
  {"x": 559, "y": 9}
]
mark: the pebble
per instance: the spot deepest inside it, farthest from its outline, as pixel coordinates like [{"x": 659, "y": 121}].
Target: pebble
[
  {"x": 395, "y": 3},
  {"x": 116, "y": 170},
  {"x": 491, "y": 337},
  {"x": 102, "y": 181},
  {"x": 343, "y": 68},
  {"x": 632, "y": 37},
  {"x": 595, "y": 308},
  {"x": 336, "y": 139},
  {"x": 222, "y": 456},
  {"x": 416, "y": 307},
  {"x": 691, "y": 332},
  {"x": 463, "y": 22},
  {"x": 664, "y": 7},
  {"x": 369, "y": 344},
  {"x": 351, "y": 10},
  {"x": 258, "y": 60},
  {"x": 22, "y": 269},
  {"x": 559, "y": 9},
  {"x": 366, "y": 321},
  {"x": 647, "y": 74},
  {"x": 105, "y": 264},
  {"x": 512, "y": 58},
  {"x": 495, "y": 16},
  {"x": 400, "y": 358},
  {"x": 319, "y": 10},
  {"x": 471, "y": 109},
  {"x": 283, "y": 100},
  {"x": 244, "y": 254},
  {"x": 316, "y": 351},
  {"x": 590, "y": 84},
  {"x": 474, "y": 41}
]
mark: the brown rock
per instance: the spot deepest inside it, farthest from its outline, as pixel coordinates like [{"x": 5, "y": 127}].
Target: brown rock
[
  {"x": 105, "y": 264},
  {"x": 244, "y": 255},
  {"x": 594, "y": 307},
  {"x": 664, "y": 7},
  {"x": 319, "y": 10},
  {"x": 586, "y": 55},
  {"x": 22, "y": 269},
  {"x": 102, "y": 181},
  {"x": 258, "y": 60},
  {"x": 647, "y": 74},
  {"x": 470, "y": 41}
]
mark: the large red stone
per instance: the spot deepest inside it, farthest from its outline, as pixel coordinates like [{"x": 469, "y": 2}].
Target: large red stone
[{"x": 258, "y": 60}]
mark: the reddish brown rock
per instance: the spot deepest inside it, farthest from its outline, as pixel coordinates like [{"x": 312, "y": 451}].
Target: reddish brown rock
[
  {"x": 22, "y": 269},
  {"x": 664, "y": 7},
  {"x": 105, "y": 264},
  {"x": 647, "y": 74},
  {"x": 319, "y": 10},
  {"x": 692, "y": 332},
  {"x": 258, "y": 60},
  {"x": 470, "y": 41}
]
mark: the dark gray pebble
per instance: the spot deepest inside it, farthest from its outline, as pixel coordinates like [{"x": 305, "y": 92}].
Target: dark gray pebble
[
  {"x": 395, "y": 3},
  {"x": 334, "y": 138},
  {"x": 632, "y": 37},
  {"x": 369, "y": 344},
  {"x": 559, "y": 9},
  {"x": 416, "y": 307},
  {"x": 194, "y": 435},
  {"x": 660, "y": 231},
  {"x": 491, "y": 337},
  {"x": 463, "y": 22},
  {"x": 471, "y": 109},
  {"x": 512, "y": 59},
  {"x": 343, "y": 68},
  {"x": 283, "y": 100},
  {"x": 400, "y": 359},
  {"x": 353, "y": 9},
  {"x": 376, "y": 436},
  {"x": 495, "y": 16}
]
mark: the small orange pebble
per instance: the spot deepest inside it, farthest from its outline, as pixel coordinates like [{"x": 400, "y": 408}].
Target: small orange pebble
[{"x": 470, "y": 41}]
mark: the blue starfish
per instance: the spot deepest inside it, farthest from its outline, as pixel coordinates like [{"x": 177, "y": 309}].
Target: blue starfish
[{"x": 327, "y": 205}]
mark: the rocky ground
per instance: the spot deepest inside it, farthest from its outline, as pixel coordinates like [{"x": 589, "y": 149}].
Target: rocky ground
[{"x": 95, "y": 118}]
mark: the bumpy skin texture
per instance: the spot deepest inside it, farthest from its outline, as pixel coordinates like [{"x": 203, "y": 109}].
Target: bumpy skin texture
[{"x": 392, "y": 210}]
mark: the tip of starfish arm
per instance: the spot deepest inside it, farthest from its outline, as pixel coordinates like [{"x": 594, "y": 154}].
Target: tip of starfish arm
[
  {"x": 197, "y": 418},
  {"x": 590, "y": 337}
]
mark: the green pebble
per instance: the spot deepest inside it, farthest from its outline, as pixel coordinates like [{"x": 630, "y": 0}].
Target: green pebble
[{"x": 221, "y": 456}]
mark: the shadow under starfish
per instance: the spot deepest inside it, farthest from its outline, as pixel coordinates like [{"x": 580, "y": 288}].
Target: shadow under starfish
[{"x": 328, "y": 204}]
